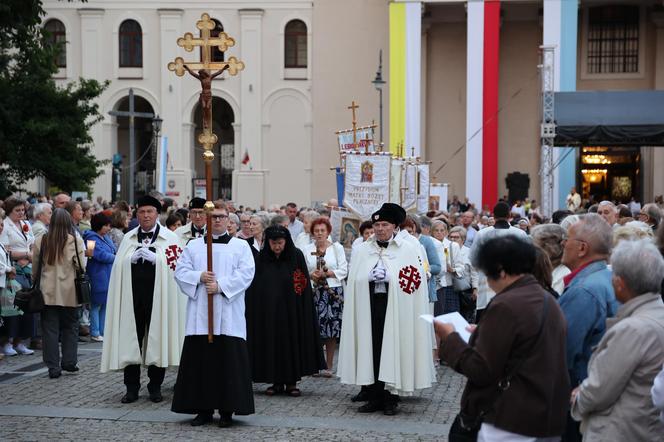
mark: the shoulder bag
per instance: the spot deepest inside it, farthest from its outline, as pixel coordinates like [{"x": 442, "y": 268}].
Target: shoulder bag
[
  {"x": 465, "y": 428},
  {"x": 460, "y": 284},
  {"x": 31, "y": 300},
  {"x": 82, "y": 281}
]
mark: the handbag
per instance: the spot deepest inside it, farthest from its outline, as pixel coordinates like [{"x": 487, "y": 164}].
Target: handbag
[
  {"x": 31, "y": 300},
  {"x": 459, "y": 283},
  {"x": 465, "y": 428},
  {"x": 82, "y": 281}
]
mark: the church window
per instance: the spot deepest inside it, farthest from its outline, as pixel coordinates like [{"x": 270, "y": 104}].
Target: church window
[
  {"x": 296, "y": 44},
  {"x": 57, "y": 35},
  {"x": 131, "y": 44},
  {"x": 613, "y": 39},
  {"x": 217, "y": 55}
]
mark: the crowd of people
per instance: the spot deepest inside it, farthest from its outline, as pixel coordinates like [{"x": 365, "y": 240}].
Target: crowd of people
[{"x": 567, "y": 319}]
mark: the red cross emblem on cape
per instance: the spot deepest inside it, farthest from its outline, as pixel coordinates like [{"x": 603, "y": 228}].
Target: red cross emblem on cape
[
  {"x": 172, "y": 255},
  {"x": 299, "y": 281},
  {"x": 409, "y": 279}
]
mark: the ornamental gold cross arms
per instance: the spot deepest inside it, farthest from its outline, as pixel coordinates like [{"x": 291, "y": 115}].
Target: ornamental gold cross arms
[{"x": 206, "y": 42}]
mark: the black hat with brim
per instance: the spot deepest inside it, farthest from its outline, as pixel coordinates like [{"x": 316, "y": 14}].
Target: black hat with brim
[
  {"x": 197, "y": 203},
  {"x": 390, "y": 212},
  {"x": 148, "y": 200}
]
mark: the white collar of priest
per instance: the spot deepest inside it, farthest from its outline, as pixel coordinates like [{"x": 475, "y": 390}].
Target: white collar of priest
[
  {"x": 222, "y": 238},
  {"x": 196, "y": 231}
]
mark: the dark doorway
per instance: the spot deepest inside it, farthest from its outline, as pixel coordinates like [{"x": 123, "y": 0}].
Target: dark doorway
[
  {"x": 224, "y": 151},
  {"x": 610, "y": 173}
]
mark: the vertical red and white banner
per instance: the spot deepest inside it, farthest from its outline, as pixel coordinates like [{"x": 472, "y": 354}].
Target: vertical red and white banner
[{"x": 483, "y": 41}]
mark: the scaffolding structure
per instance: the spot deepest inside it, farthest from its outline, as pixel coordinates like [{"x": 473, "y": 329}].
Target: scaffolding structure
[{"x": 547, "y": 129}]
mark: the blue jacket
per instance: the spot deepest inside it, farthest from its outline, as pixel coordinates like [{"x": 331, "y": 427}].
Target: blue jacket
[
  {"x": 587, "y": 302},
  {"x": 100, "y": 265},
  {"x": 434, "y": 265}
]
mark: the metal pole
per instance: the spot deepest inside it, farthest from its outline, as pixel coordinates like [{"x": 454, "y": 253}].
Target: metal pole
[
  {"x": 132, "y": 148},
  {"x": 380, "y": 97}
]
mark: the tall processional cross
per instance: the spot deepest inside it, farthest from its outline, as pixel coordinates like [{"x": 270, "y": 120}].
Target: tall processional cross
[
  {"x": 205, "y": 71},
  {"x": 352, "y": 107}
]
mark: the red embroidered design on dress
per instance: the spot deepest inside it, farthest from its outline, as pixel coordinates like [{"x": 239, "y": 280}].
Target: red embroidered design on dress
[
  {"x": 409, "y": 279},
  {"x": 299, "y": 281}
]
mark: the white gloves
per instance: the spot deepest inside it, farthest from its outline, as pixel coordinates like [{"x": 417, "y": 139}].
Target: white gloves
[
  {"x": 145, "y": 254},
  {"x": 378, "y": 274}
]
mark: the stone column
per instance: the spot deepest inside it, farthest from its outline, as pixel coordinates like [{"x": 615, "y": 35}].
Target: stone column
[
  {"x": 170, "y": 97},
  {"x": 657, "y": 163},
  {"x": 249, "y": 180},
  {"x": 92, "y": 55}
]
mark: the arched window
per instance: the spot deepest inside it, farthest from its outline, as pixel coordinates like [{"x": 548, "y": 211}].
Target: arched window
[
  {"x": 296, "y": 44},
  {"x": 217, "y": 55},
  {"x": 131, "y": 44},
  {"x": 57, "y": 35}
]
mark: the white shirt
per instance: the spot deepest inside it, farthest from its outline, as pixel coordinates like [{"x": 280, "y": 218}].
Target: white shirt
[
  {"x": 295, "y": 228},
  {"x": 14, "y": 239},
  {"x": 303, "y": 240},
  {"x": 5, "y": 265},
  {"x": 234, "y": 268},
  {"x": 484, "y": 292},
  {"x": 452, "y": 257},
  {"x": 335, "y": 260}
]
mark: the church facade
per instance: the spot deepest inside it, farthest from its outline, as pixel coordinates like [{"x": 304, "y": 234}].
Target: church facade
[{"x": 306, "y": 61}]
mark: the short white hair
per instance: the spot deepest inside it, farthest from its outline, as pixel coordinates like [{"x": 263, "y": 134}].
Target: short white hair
[
  {"x": 640, "y": 265},
  {"x": 596, "y": 232},
  {"x": 39, "y": 208},
  {"x": 608, "y": 203},
  {"x": 567, "y": 222}
]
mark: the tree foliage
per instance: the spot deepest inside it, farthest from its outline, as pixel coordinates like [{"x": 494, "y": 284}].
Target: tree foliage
[{"x": 44, "y": 128}]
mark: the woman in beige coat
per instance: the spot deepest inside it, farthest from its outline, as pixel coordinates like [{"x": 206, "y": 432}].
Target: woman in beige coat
[
  {"x": 613, "y": 403},
  {"x": 59, "y": 317}
]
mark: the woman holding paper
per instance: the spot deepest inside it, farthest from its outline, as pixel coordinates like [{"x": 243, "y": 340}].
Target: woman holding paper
[{"x": 515, "y": 358}]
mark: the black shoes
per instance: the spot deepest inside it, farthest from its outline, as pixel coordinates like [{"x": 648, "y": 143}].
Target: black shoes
[
  {"x": 201, "y": 419},
  {"x": 129, "y": 397},
  {"x": 370, "y": 407},
  {"x": 54, "y": 373},
  {"x": 389, "y": 408},
  {"x": 362, "y": 396},
  {"x": 226, "y": 419},
  {"x": 155, "y": 395},
  {"x": 70, "y": 368}
]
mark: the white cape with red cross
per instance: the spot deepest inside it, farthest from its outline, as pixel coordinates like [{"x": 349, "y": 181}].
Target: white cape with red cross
[{"x": 406, "y": 364}]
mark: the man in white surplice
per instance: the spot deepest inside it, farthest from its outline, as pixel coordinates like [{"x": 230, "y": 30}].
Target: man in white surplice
[{"x": 215, "y": 376}]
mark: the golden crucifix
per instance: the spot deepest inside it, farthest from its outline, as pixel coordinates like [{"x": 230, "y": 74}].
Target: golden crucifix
[
  {"x": 205, "y": 71},
  {"x": 352, "y": 107}
]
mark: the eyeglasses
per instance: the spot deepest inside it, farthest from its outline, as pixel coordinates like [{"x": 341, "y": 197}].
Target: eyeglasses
[
  {"x": 197, "y": 212},
  {"x": 453, "y": 237},
  {"x": 219, "y": 217}
]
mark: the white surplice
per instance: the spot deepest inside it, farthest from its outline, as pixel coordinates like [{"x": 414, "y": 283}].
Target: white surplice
[{"x": 234, "y": 268}]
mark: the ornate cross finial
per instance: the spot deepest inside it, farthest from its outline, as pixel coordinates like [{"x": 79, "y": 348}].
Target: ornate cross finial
[{"x": 206, "y": 43}]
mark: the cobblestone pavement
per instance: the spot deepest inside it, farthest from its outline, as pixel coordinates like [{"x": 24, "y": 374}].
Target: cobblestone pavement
[{"x": 86, "y": 405}]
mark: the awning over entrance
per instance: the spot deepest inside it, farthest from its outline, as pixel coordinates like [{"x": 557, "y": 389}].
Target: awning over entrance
[{"x": 609, "y": 118}]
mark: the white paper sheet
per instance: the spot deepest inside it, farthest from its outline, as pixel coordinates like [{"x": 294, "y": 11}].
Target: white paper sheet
[{"x": 455, "y": 319}]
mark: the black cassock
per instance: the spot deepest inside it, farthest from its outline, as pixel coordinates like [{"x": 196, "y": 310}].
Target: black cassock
[{"x": 282, "y": 323}]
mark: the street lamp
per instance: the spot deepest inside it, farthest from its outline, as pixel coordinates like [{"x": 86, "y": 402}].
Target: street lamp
[
  {"x": 378, "y": 83},
  {"x": 156, "y": 128}
]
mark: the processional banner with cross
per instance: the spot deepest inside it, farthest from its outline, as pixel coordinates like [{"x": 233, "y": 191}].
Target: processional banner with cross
[{"x": 205, "y": 71}]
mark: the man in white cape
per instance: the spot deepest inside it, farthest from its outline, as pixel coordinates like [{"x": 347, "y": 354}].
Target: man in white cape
[
  {"x": 145, "y": 313},
  {"x": 217, "y": 375},
  {"x": 384, "y": 344},
  {"x": 196, "y": 227}
]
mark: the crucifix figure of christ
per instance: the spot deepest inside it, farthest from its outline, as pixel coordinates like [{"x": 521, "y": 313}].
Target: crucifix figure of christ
[{"x": 205, "y": 71}]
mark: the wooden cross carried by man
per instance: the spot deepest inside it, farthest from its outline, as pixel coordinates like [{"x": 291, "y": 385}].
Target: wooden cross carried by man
[{"x": 205, "y": 71}]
